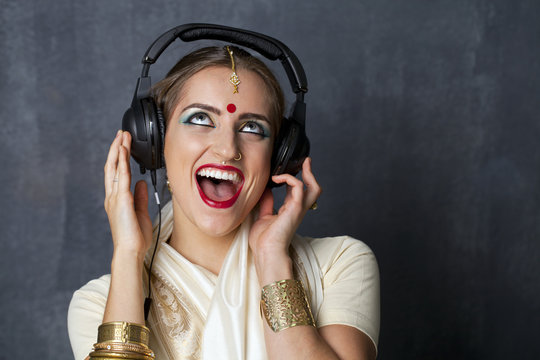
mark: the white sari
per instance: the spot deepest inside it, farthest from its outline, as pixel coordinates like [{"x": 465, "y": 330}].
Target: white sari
[{"x": 198, "y": 315}]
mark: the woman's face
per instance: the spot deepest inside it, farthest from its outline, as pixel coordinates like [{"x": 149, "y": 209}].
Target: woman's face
[{"x": 211, "y": 125}]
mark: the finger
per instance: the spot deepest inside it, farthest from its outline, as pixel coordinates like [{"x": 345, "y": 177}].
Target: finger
[
  {"x": 285, "y": 179},
  {"x": 141, "y": 197},
  {"x": 266, "y": 203},
  {"x": 126, "y": 143},
  {"x": 122, "y": 174},
  {"x": 295, "y": 189},
  {"x": 126, "y": 140},
  {"x": 313, "y": 189},
  {"x": 111, "y": 164},
  {"x": 122, "y": 179}
]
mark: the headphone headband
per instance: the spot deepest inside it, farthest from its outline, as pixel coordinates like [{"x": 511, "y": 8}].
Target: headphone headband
[
  {"x": 267, "y": 46},
  {"x": 144, "y": 120}
]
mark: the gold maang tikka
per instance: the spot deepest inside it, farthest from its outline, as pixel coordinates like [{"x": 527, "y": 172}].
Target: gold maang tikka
[{"x": 234, "y": 78}]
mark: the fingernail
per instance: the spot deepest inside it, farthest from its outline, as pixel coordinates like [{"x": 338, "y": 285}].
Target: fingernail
[{"x": 118, "y": 133}]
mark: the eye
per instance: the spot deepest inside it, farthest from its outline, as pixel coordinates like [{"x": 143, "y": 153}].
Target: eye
[
  {"x": 253, "y": 127},
  {"x": 201, "y": 119}
]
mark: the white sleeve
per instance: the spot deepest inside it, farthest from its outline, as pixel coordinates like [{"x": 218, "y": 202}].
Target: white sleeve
[
  {"x": 350, "y": 285},
  {"x": 85, "y": 314}
]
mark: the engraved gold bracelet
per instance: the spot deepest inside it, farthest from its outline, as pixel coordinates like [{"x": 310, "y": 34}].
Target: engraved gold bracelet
[
  {"x": 106, "y": 348},
  {"x": 284, "y": 305},
  {"x": 124, "y": 333}
]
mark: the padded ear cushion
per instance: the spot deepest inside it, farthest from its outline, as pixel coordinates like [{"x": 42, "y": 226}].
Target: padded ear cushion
[
  {"x": 161, "y": 124},
  {"x": 299, "y": 153},
  {"x": 292, "y": 147},
  {"x": 144, "y": 123}
]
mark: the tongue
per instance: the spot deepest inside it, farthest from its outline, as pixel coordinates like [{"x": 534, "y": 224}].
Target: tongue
[{"x": 222, "y": 191}]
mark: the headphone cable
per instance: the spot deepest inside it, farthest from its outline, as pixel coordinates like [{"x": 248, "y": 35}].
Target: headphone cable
[{"x": 148, "y": 300}]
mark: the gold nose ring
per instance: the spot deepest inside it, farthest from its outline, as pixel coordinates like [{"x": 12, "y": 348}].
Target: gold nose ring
[{"x": 239, "y": 157}]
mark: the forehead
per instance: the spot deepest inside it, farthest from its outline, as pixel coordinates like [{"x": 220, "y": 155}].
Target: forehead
[{"x": 212, "y": 86}]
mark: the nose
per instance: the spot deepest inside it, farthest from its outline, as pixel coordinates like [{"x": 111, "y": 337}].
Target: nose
[{"x": 225, "y": 145}]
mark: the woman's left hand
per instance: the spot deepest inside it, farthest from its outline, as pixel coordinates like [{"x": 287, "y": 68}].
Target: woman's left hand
[{"x": 271, "y": 234}]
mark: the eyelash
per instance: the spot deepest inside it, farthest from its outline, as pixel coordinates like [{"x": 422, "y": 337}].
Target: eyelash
[
  {"x": 190, "y": 120},
  {"x": 261, "y": 130}
]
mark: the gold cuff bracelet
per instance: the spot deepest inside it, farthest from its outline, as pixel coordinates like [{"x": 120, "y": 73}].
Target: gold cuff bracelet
[{"x": 284, "y": 305}]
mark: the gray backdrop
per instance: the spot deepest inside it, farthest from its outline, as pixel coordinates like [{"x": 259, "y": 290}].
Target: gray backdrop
[{"x": 423, "y": 117}]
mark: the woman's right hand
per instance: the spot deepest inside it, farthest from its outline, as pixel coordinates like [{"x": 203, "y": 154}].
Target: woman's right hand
[{"x": 130, "y": 222}]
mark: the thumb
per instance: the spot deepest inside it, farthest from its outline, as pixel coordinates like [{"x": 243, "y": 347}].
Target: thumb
[
  {"x": 141, "y": 209},
  {"x": 266, "y": 203}
]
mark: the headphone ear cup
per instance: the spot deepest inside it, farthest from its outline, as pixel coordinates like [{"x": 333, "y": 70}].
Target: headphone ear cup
[
  {"x": 299, "y": 153},
  {"x": 292, "y": 147},
  {"x": 280, "y": 149},
  {"x": 143, "y": 121}
]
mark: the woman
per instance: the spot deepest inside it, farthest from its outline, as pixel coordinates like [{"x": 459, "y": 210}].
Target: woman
[{"x": 221, "y": 242}]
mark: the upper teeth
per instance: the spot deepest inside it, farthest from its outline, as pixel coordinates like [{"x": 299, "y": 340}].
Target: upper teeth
[{"x": 219, "y": 174}]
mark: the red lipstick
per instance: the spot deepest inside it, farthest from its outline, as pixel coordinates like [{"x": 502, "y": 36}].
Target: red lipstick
[{"x": 219, "y": 185}]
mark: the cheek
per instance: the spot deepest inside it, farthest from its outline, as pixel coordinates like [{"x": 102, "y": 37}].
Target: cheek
[
  {"x": 179, "y": 147},
  {"x": 178, "y": 154},
  {"x": 257, "y": 159},
  {"x": 259, "y": 152}
]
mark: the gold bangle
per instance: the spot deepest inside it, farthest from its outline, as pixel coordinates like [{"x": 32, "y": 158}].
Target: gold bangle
[
  {"x": 284, "y": 305},
  {"x": 102, "y": 355},
  {"x": 123, "y": 332},
  {"x": 116, "y": 347},
  {"x": 121, "y": 354}
]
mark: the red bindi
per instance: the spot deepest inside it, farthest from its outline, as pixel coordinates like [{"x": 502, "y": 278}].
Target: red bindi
[{"x": 231, "y": 108}]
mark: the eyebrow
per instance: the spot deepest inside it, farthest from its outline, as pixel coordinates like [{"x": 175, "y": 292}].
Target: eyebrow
[
  {"x": 245, "y": 116},
  {"x": 203, "y": 107},
  {"x": 216, "y": 111}
]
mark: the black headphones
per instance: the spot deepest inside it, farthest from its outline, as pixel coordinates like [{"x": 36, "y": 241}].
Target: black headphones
[{"x": 144, "y": 120}]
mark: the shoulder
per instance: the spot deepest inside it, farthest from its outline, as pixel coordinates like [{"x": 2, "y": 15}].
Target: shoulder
[
  {"x": 94, "y": 288},
  {"x": 339, "y": 251},
  {"x": 92, "y": 295},
  {"x": 89, "y": 299},
  {"x": 85, "y": 314}
]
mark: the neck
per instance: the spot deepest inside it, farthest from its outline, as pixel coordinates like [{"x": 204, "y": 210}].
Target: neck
[{"x": 196, "y": 246}]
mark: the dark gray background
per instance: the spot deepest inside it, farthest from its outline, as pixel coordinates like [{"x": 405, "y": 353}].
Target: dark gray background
[{"x": 423, "y": 117}]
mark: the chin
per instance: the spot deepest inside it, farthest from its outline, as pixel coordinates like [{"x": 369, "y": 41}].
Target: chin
[{"x": 218, "y": 225}]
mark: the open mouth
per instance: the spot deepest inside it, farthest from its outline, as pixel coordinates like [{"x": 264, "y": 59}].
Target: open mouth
[{"x": 219, "y": 186}]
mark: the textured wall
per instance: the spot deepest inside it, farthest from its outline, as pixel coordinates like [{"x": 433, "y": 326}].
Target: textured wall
[{"x": 424, "y": 121}]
